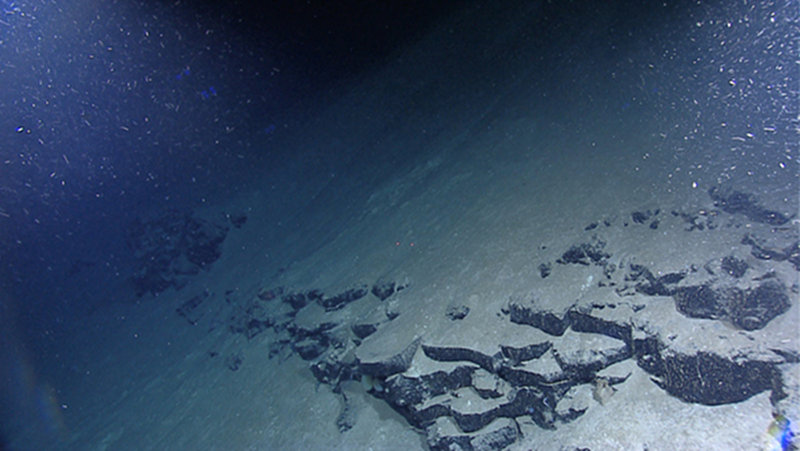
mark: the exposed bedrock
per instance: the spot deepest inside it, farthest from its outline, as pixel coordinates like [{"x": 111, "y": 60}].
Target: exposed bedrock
[
  {"x": 702, "y": 377},
  {"x": 382, "y": 366},
  {"x": 737, "y": 202},
  {"x": 498, "y": 435}
]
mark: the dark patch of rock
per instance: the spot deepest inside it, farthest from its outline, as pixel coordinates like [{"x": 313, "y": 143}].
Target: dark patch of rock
[
  {"x": 393, "y": 364},
  {"x": 703, "y": 301},
  {"x": 649, "y": 284},
  {"x": 364, "y": 330},
  {"x": 640, "y": 217},
  {"x": 457, "y": 312},
  {"x": 760, "y": 305},
  {"x": 332, "y": 372},
  {"x": 738, "y": 202},
  {"x": 170, "y": 248},
  {"x": 500, "y": 438},
  {"x": 237, "y": 220},
  {"x": 383, "y": 289},
  {"x": 760, "y": 250},
  {"x": 311, "y": 347},
  {"x": 347, "y": 414},
  {"x": 585, "y": 253},
  {"x": 733, "y": 266},
  {"x": 523, "y": 354},
  {"x": 749, "y": 309},
  {"x": 296, "y": 300},
  {"x": 455, "y": 354},
  {"x": 340, "y": 300},
  {"x": 545, "y": 269},
  {"x": 233, "y": 362},
  {"x": 553, "y": 322},
  {"x": 585, "y": 320},
  {"x": 710, "y": 379}
]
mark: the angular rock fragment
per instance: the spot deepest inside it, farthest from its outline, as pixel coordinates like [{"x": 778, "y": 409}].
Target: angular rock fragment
[
  {"x": 542, "y": 371},
  {"x": 340, "y": 300},
  {"x": 364, "y": 330},
  {"x": 585, "y": 253},
  {"x": 453, "y": 354},
  {"x": 392, "y": 364},
  {"x": 332, "y": 371},
  {"x": 310, "y": 348},
  {"x": 553, "y": 321},
  {"x": 523, "y": 354},
  {"x": 762, "y": 251},
  {"x": 498, "y": 435},
  {"x": 527, "y": 401},
  {"x": 584, "y": 361},
  {"x": 759, "y": 306},
  {"x": 545, "y": 269},
  {"x": 296, "y": 300},
  {"x": 488, "y": 385},
  {"x": 347, "y": 414},
  {"x": 748, "y": 309},
  {"x": 575, "y": 403},
  {"x": 733, "y": 266},
  {"x": 457, "y": 312},
  {"x": 383, "y": 289},
  {"x": 600, "y": 320},
  {"x": 649, "y": 284}
]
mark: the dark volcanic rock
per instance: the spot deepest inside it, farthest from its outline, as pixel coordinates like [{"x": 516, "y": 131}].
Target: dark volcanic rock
[
  {"x": 342, "y": 299},
  {"x": 760, "y": 305},
  {"x": 392, "y": 364},
  {"x": 364, "y": 330},
  {"x": 649, "y": 284},
  {"x": 311, "y": 348},
  {"x": 732, "y": 201},
  {"x": 761, "y": 251},
  {"x": 585, "y": 253},
  {"x": 553, "y": 322},
  {"x": 405, "y": 392},
  {"x": 457, "y": 312},
  {"x": 703, "y": 301},
  {"x": 447, "y": 354},
  {"x": 583, "y": 365},
  {"x": 748, "y": 309},
  {"x": 237, "y": 220},
  {"x": 733, "y": 266},
  {"x": 545, "y": 269},
  {"x": 640, "y": 217},
  {"x": 171, "y": 247},
  {"x": 527, "y": 401},
  {"x": 530, "y": 352},
  {"x": 296, "y": 300},
  {"x": 331, "y": 371},
  {"x": 503, "y": 436},
  {"x": 710, "y": 379},
  {"x": 383, "y": 289},
  {"x": 586, "y": 320}
]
